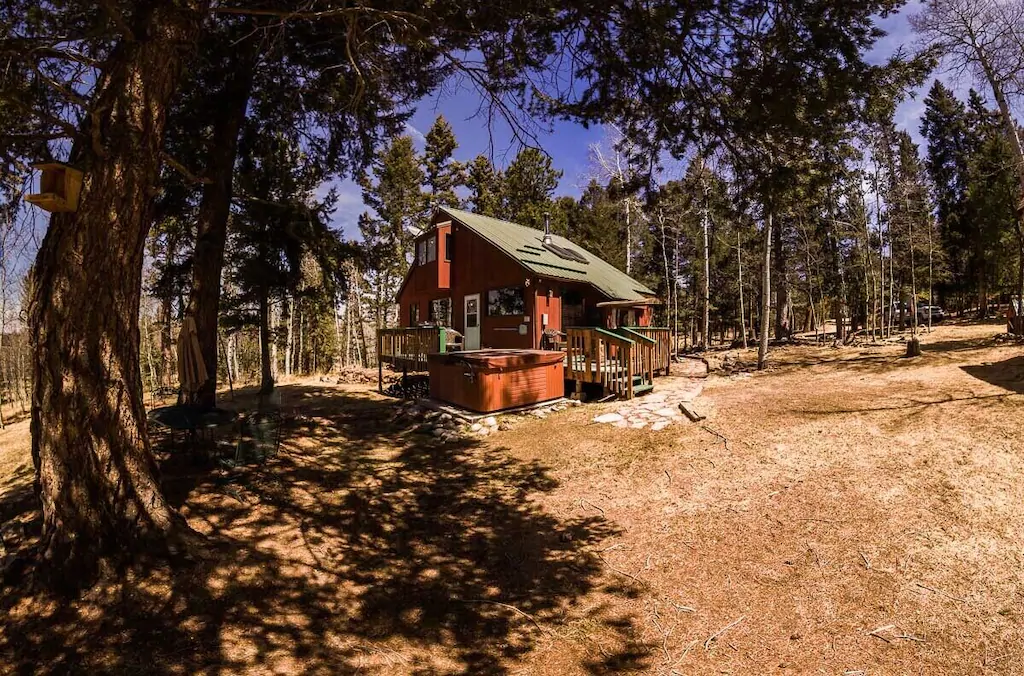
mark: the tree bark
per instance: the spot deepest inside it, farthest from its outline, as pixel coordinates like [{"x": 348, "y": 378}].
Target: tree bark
[
  {"x": 299, "y": 365},
  {"x": 266, "y": 356},
  {"x": 214, "y": 209},
  {"x": 289, "y": 343},
  {"x": 739, "y": 264},
  {"x": 166, "y": 342},
  {"x": 95, "y": 472},
  {"x": 706, "y": 318},
  {"x": 766, "y": 292},
  {"x": 783, "y": 328}
]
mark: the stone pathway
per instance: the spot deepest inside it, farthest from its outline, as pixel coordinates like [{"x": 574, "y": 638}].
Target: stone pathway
[{"x": 656, "y": 410}]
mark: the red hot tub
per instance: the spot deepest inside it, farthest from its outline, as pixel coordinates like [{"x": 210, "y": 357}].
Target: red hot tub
[{"x": 493, "y": 380}]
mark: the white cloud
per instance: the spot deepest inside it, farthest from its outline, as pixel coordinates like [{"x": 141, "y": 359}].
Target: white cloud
[
  {"x": 348, "y": 207},
  {"x": 416, "y": 134}
]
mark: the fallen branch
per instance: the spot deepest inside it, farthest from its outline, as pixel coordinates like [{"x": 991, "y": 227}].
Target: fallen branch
[
  {"x": 876, "y": 632},
  {"x": 941, "y": 593},
  {"x": 708, "y": 428},
  {"x": 624, "y": 573},
  {"x": 528, "y": 616},
  {"x": 718, "y": 634},
  {"x": 713, "y": 465},
  {"x": 910, "y": 637},
  {"x": 584, "y": 502}
]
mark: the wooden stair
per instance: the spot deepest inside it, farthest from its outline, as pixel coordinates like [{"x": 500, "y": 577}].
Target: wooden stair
[
  {"x": 622, "y": 361},
  {"x": 640, "y": 387}
]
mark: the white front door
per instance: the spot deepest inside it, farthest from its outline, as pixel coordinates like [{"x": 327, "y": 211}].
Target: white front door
[{"x": 471, "y": 305}]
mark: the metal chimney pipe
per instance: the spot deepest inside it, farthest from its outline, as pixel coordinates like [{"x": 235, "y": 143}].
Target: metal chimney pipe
[{"x": 547, "y": 227}]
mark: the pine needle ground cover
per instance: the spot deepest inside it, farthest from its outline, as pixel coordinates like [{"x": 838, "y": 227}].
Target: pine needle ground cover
[{"x": 864, "y": 519}]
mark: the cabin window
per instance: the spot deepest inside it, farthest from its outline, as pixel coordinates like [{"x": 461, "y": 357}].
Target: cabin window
[
  {"x": 441, "y": 311},
  {"x": 448, "y": 241},
  {"x": 414, "y": 314},
  {"x": 421, "y": 252},
  {"x": 432, "y": 249},
  {"x": 506, "y": 302}
]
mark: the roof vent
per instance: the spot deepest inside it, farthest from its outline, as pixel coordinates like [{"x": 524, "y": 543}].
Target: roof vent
[{"x": 547, "y": 227}]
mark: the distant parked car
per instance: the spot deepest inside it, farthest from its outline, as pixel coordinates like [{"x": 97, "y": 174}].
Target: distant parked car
[{"x": 936, "y": 312}]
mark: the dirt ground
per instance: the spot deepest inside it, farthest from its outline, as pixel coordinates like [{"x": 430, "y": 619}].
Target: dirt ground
[{"x": 847, "y": 512}]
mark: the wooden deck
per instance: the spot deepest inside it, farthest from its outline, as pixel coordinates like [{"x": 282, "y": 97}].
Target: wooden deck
[
  {"x": 623, "y": 361},
  {"x": 407, "y": 348}
]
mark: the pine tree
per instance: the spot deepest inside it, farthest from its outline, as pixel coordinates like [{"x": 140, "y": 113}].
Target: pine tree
[
  {"x": 442, "y": 175},
  {"x": 910, "y": 220},
  {"x": 946, "y": 130},
  {"x": 530, "y": 181},
  {"x": 399, "y": 211},
  {"x": 486, "y": 187},
  {"x": 279, "y": 225},
  {"x": 970, "y": 164},
  {"x": 991, "y": 201}
]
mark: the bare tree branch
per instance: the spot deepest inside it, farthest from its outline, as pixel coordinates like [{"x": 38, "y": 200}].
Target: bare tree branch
[
  {"x": 184, "y": 171},
  {"x": 115, "y": 16}
]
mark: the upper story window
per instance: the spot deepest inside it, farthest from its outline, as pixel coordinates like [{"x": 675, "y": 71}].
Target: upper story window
[
  {"x": 449, "y": 242},
  {"x": 426, "y": 250},
  {"x": 506, "y": 302}
]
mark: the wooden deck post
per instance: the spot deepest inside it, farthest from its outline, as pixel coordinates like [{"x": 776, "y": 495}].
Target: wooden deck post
[{"x": 380, "y": 365}]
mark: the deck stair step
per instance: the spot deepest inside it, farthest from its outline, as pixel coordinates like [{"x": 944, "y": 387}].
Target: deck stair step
[{"x": 642, "y": 389}]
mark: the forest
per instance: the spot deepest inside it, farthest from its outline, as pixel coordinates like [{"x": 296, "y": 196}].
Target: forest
[{"x": 755, "y": 168}]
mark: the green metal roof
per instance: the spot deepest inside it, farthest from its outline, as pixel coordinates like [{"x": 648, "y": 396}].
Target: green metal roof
[{"x": 526, "y": 246}]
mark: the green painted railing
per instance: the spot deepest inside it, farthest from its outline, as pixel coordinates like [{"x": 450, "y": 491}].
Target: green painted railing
[{"x": 613, "y": 359}]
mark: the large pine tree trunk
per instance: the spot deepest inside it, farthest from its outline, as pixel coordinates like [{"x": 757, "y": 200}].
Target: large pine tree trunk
[
  {"x": 95, "y": 472},
  {"x": 166, "y": 342},
  {"x": 289, "y": 343},
  {"x": 267, "y": 356},
  {"x": 706, "y": 318},
  {"x": 766, "y": 293},
  {"x": 783, "y": 303},
  {"x": 214, "y": 209}
]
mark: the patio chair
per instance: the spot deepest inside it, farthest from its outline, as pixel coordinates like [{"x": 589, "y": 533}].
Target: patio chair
[{"x": 259, "y": 436}]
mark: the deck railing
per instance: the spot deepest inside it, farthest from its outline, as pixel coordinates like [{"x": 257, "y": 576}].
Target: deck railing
[
  {"x": 663, "y": 350},
  {"x": 407, "y": 348},
  {"x": 641, "y": 356},
  {"x": 611, "y": 359}
]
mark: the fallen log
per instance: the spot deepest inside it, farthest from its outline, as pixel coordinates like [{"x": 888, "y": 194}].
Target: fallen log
[{"x": 691, "y": 413}]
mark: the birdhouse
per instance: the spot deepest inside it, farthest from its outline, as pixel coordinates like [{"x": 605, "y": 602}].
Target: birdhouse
[{"x": 59, "y": 187}]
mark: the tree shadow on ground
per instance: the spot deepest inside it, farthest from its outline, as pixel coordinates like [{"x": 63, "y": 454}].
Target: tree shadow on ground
[
  {"x": 363, "y": 546},
  {"x": 1007, "y": 374}
]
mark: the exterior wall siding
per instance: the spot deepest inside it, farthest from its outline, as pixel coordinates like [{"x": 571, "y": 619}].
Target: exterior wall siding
[{"x": 477, "y": 267}]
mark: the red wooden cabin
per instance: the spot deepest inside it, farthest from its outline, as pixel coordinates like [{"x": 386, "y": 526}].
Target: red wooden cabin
[
  {"x": 506, "y": 286},
  {"x": 501, "y": 284}
]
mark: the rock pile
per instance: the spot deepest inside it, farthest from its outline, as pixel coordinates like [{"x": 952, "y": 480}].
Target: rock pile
[{"x": 446, "y": 427}]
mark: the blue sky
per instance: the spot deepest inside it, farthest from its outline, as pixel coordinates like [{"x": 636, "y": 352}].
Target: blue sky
[{"x": 569, "y": 144}]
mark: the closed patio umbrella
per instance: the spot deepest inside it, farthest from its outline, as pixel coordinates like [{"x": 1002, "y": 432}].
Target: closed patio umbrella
[{"x": 191, "y": 368}]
